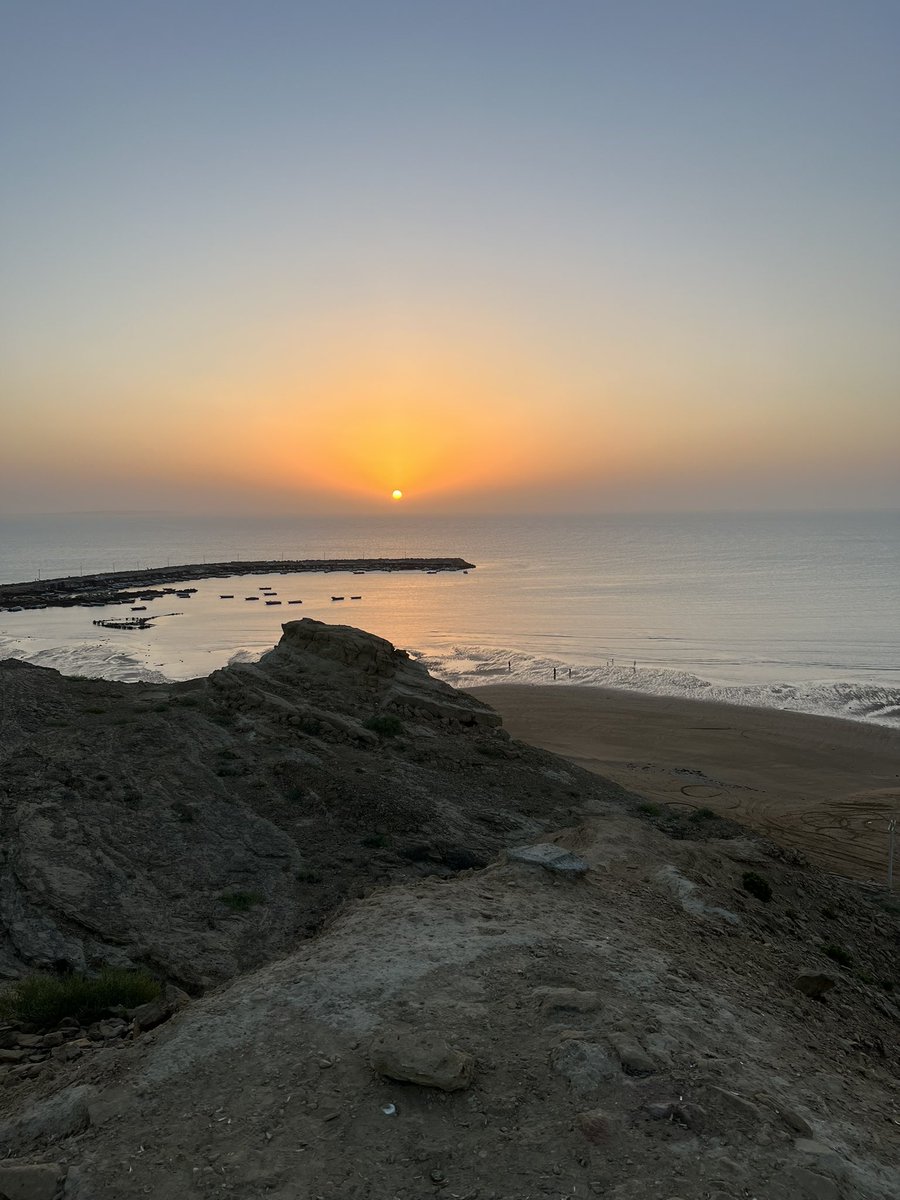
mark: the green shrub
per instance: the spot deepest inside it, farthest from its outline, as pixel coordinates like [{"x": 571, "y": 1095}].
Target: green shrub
[
  {"x": 309, "y": 877},
  {"x": 649, "y": 810},
  {"x": 45, "y": 1000},
  {"x": 385, "y": 726},
  {"x": 830, "y": 913},
  {"x": 703, "y": 814},
  {"x": 757, "y": 886},
  {"x": 241, "y": 901},
  {"x": 839, "y": 955}
]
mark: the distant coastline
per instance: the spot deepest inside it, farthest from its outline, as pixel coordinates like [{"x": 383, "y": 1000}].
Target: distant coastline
[{"x": 110, "y": 587}]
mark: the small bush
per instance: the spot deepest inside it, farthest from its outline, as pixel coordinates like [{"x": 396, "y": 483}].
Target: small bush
[
  {"x": 839, "y": 955},
  {"x": 791, "y": 914},
  {"x": 649, "y": 810},
  {"x": 830, "y": 913},
  {"x": 45, "y": 1000},
  {"x": 309, "y": 877},
  {"x": 703, "y": 814},
  {"x": 386, "y": 726},
  {"x": 241, "y": 901},
  {"x": 757, "y": 886}
]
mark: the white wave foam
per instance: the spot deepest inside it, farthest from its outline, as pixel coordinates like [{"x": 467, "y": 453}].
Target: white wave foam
[
  {"x": 94, "y": 660},
  {"x": 245, "y": 656},
  {"x": 471, "y": 666}
]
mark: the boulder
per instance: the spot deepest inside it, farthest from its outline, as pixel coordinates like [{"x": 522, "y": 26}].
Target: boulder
[
  {"x": 596, "y": 1125},
  {"x": 425, "y": 1058},
  {"x": 153, "y": 1013},
  {"x": 550, "y": 857},
  {"x": 26, "y": 1181},
  {"x": 49, "y": 1120},
  {"x": 633, "y": 1059}
]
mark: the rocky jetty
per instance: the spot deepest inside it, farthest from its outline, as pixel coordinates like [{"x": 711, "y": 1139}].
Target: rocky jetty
[{"x": 123, "y": 587}]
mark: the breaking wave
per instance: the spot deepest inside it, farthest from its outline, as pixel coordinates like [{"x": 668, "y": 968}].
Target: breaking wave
[
  {"x": 472, "y": 666},
  {"x": 96, "y": 661}
]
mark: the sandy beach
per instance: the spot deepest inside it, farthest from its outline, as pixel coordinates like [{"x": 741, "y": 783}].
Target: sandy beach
[{"x": 821, "y": 784}]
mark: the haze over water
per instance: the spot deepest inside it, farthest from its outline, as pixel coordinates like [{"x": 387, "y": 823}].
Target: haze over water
[{"x": 784, "y": 610}]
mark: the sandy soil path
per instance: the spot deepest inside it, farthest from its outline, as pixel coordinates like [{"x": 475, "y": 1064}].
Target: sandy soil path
[{"x": 824, "y": 785}]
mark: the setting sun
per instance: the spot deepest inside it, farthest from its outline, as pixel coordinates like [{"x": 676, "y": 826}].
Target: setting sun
[{"x": 396, "y": 494}]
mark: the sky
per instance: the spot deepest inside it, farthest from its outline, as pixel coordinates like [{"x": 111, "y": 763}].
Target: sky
[{"x": 279, "y": 256}]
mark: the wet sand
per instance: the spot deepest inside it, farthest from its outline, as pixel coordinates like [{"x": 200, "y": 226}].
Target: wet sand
[{"x": 823, "y": 785}]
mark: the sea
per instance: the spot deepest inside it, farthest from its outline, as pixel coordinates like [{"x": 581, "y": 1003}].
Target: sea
[{"x": 796, "y": 611}]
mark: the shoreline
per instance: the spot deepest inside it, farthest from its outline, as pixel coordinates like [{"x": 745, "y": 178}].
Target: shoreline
[
  {"x": 111, "y": 587},
  {"x": 824, "y": 785}
]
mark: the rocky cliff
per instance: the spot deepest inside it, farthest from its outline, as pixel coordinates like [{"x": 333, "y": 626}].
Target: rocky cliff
[
  {"x": 202, "y": 828},
  {"x": 640, "y": 1005}
]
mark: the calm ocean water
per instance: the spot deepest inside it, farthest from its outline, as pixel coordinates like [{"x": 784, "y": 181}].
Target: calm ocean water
[{"x": 797, "y": 611}]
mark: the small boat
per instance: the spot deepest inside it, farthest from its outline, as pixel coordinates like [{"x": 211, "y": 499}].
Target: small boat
[
  {"x": 356, "y": 597},
  {"x": 337, "y": 597},
  {"x": 251, "y": 597},
  {"x": 359, "y": 572},
  {"x": 227, "y": 596},
  {"x": 139, "y": 608},
  {"x": 295, "y": 601},
  {"x": 183, "y": 595},
  {"x": 273, "y": 602}
]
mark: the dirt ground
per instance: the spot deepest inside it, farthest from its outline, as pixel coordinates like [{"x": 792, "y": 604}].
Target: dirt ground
[
  {"x": 824, "y": 785},
  {"x": 686, "y": 1001}
]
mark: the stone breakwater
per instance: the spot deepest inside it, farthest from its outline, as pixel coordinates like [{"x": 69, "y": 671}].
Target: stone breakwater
[{"x": 108, "y": 587}]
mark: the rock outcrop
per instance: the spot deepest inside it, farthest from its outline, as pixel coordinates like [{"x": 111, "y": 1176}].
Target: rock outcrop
[
  {"x": 641, "y": 1027},
  {"x": 201, "y": 828}
]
